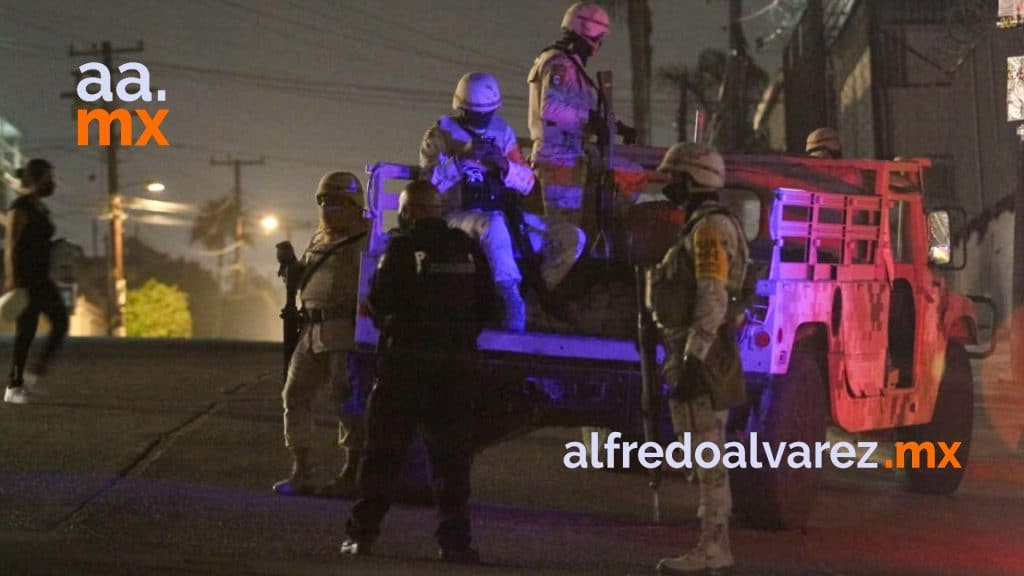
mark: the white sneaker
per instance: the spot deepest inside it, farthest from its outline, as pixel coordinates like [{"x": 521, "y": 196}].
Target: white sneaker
[{"x": 16, "y": 395}]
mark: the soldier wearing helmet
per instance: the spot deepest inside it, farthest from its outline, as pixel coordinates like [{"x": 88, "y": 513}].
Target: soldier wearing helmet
[
  {"x": 328, "y": 273},
  {"x": 824, "y": 143},
  {"x": 562, "y": 108},
  {"x": 702, "y": 363},
  {"x": 474, "y": 160}
]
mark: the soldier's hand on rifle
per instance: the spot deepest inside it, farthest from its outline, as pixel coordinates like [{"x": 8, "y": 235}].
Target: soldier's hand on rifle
[
  {"x": 496, "y": 160},
  {"x": 285, "y": 253},
  {"x": 693, "y": 379}
]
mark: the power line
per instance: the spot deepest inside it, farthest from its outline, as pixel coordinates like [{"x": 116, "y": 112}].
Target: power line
[{"x": 394, "y": 23}]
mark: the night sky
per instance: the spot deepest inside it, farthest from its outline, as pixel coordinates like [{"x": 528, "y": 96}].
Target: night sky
[{"x": 312, "y": 85}]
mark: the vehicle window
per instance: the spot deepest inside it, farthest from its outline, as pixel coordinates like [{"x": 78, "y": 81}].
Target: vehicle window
[{"x": 747, "y": 207}]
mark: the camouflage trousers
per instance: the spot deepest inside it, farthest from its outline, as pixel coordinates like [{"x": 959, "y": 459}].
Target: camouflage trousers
[
  {"x": 308, "y": 373},
  {"x": 563, "y": 181},
  {"x": 706, "y": 425}
]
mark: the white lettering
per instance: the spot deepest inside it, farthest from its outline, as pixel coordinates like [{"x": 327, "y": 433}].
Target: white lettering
[
  {"x": 864, "y": 460},
  {"x": 103, "y": 81},
  {"x": 651, "y": 455},
  {"x": 142, "y": 81}
]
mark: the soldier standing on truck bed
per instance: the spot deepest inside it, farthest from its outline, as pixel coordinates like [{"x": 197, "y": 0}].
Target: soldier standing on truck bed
[
  {"x": 329, "y": 273},
  {"x": 431, "y": 296},
  {"x": 698, "y": 325},
  {"x": 563, "y": 110},
  {"x": 474, "y": 160}
]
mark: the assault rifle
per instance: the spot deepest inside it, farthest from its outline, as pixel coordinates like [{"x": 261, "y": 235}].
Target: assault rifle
[{"x": 290, "y": 312}]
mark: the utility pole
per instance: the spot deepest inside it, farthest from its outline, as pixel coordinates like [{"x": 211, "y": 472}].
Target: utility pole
[
  {"x": 239, "y": 220},
  {"x": 117, "y": 289}
]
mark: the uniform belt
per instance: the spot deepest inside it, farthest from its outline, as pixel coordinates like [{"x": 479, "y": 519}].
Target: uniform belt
[{"x": 317, "y": 315}]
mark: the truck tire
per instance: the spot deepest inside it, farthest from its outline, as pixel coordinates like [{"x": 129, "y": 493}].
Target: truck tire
[
  {"x": 953, "y": 421},
  {"x": 793, "y": 407}
]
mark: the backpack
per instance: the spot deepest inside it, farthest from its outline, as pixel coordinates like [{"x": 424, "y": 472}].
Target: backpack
[{"x": 671, "y": 286}]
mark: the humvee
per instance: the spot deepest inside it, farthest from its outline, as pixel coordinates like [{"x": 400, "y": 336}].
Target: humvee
[{"x": 852, "y": 325}]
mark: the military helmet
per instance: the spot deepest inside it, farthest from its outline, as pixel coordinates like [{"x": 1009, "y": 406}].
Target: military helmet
[
  {"x": 477, "y": 92},
  {"x": 702, "y": 162},
  {"x": 345, "y": 183},
  {"x": 588, "y": 20},
  {"x": 823, "y": 139}
]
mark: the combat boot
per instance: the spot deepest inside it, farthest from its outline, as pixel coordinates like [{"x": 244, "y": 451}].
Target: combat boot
[
  {"x": 345, "y": 486},
  {"x": 710, "y": 556},
  {"x": 300, "y": 482}
]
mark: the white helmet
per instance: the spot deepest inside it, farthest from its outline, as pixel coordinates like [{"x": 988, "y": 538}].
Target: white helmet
[
  {"x": 588, "y": 20},
  {"x": 478, "y": 92},
  {"x": 702, "y": 162},
  {"x": 824, "y": 142}
]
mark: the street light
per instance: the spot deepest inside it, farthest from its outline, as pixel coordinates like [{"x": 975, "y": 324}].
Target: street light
[{"x": 269, "y": 223}]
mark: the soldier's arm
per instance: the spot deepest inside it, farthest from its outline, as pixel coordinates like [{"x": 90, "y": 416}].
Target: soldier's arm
[
  {"x": 711, "y": 250},
  {"x": 395, "y": 274},
  {"x": 559, "y": 105},
  {"x": 438, "y": 163},
  {"x": 519, "y": 176}
]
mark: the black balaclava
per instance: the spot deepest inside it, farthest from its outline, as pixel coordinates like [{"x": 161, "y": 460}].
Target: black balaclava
[
  {"x": 475, "y": 121},
  {"x": 576, "y": 44},
  {"x": 687, "y": 194}
]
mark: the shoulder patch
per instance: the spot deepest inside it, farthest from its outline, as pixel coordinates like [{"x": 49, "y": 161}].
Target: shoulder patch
[
  {"x": 557, "y": 73},
  {"x": 710, "y": 258}
]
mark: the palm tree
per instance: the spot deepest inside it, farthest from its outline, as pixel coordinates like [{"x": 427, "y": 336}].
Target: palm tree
[
  {"x": 214, "y": 226},
  {"x": 638, "y": 21}
]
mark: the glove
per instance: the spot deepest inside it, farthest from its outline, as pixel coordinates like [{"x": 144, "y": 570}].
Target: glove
[
  {"x": 496, "y": 160},
  {"x": 692, "y": 381},
  {"x": 285, "y": 253}
]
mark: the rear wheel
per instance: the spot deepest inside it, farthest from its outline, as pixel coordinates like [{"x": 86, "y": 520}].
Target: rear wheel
[
  {"x": 794, "y": 407},
  {"x": 952, "y": 421}
]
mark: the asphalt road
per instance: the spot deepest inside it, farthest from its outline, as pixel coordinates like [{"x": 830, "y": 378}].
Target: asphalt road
[{"x": 157, "y": 458}]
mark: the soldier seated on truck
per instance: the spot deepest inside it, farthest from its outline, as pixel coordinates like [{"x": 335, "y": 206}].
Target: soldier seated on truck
[{"x": 473, "y": 158}]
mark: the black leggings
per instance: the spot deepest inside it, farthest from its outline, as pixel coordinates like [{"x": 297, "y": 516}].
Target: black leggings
[{"x": 42, "y": 299}]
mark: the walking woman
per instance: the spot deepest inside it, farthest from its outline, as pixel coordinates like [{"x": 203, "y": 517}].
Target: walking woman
[{"x": 27, "y": 265}]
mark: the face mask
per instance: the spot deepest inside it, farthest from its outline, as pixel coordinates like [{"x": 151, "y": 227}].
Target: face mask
[
  {"x": 478, "y": 121},
  {"x": 677, "y": 192}
]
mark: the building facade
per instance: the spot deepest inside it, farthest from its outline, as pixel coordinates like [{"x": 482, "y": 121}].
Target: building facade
[{"x": 918, "y": 78}]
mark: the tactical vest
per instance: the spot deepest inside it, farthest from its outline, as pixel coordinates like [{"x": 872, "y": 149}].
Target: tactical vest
[{"x": 671, "y": 287}]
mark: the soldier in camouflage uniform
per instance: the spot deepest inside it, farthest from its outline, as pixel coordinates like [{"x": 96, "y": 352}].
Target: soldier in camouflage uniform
[
  {"x": 563, "y": 109},
  {"x": 329, "y": 272},
  {"x": 473, "y": 159},
  {"x": 702, "y": 363}
]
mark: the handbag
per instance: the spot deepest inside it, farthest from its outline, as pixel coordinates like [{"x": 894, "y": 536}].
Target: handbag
[{"x": 13, "y": 303}]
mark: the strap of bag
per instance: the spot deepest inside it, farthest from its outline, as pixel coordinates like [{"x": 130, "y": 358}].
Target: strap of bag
[{"x": 312, "y": 267}]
